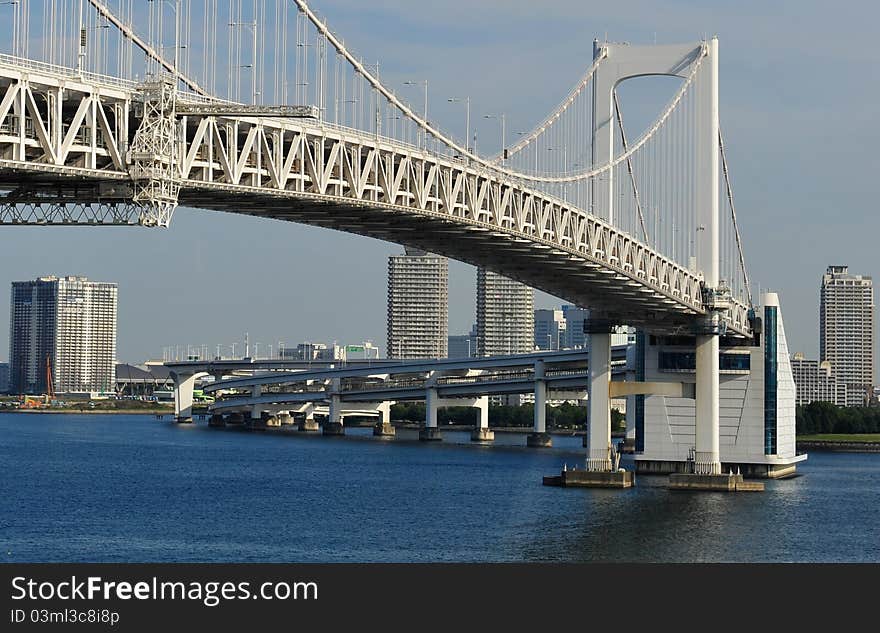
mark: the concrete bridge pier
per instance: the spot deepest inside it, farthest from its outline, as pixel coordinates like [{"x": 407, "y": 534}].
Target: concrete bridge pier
[
  {"x": 601, "y": 467},
  {"x": 256, "y": 418},
  {"x": 383, "y": 427},
  {"x": 183, "y": 396},
  {"x": 707, "y": 455},
  {"x": 308, "y": 424},
  {"x": 482, "y": 433},
  {"x": 599, "y": 403},
  {"x": 285, "y": 418},
  {"x": 334, "y": 423},
  {"x": 430, "y": 432},
  {"x": 539, "y": 437}
]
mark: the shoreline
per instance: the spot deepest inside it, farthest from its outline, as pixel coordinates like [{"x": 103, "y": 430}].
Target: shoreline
[
  {"x": 91, "y": 411},
  {"x": 837, "y": 446}
]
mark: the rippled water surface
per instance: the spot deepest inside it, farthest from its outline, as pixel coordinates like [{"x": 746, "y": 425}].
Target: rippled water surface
[{"x": 132, "y": 488}]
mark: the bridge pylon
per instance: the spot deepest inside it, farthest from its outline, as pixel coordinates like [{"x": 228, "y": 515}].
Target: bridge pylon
[{"x": 152, "y": 158}]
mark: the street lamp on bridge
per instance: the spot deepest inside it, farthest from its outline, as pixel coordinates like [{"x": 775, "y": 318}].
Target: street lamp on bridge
[
  {"x": 424, "y": 83},
  {"x": 253, "y": 65},
  {"x": 500, "y": 117},
  {"x": 467, "y": 127}
]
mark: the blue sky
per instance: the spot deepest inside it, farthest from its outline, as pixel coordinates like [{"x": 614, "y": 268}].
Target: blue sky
[{"x": 799, "y": 92}]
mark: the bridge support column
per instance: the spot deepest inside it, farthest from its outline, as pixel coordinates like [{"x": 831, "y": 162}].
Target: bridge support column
[
  {"x": 482, "y": 433},
  {"x": 707, "y": 456},
  {"x": 599, "y": 403},
  {"x": 430, "y": 433},
  {"x": 383, "y": 427},
  {"x": 256, "y": 420},
  {"x": 334, "y": 423},
  {"x": 308, "y": 424},
  {"x": 183, "y": 396},
  {"x": 539, "y": 437}
]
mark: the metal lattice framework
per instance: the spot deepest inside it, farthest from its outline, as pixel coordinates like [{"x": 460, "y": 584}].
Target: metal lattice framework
[{"x": 84, "y": 148}]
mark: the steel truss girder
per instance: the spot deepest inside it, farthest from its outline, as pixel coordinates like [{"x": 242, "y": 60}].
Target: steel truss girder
[{"x": 255, "y": 157}]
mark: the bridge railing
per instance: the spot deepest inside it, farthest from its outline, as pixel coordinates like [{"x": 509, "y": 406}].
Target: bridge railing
[{"x": 65, "y": 72}]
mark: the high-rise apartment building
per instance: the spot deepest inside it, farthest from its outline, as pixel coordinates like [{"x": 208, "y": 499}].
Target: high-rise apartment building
[
  {"x": 505, "y": 315},
  {"x": 846, "y": 331},
  {"x": 418, "y": 305},
  {"x": 65, "y": 327},
  {"x": 815, "y": 382},
  {"x": 550, "y": 330}
]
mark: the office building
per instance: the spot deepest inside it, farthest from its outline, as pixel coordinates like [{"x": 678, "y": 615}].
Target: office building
[
  {"x": 463, "y": 345},
  {"x": 846, "y": 331},
  {"x": 64, "y": 328},
  {"x": 815, "y": 382},
  {"x": 550, "y": 329},
  {"x": 574, "y": 326},
  {"x": 4, "y": 377},
  {"x": 418, "y": 305},
  {"x": 505, "y": 315}
]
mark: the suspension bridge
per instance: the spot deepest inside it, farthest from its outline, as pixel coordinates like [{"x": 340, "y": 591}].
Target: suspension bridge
[{"x": 116, "y": 113}]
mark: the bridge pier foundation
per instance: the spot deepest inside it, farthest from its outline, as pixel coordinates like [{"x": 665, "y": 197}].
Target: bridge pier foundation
[
  {"x": 707, "y": 455},
  {"x": 482, "y": 433},
  {"x": 334, "y": 423},
  {"x": 183, "y": 396},
  {"x": 384, "y": 428},
  {"x": 599, "y": 403},
  {"x": 430, "y": 432},
  {"x": 539, "y": 437}
]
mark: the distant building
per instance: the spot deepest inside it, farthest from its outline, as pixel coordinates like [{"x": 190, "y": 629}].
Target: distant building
[
  {"x": 309, "y": 351},
  {"x": 505, "y": 315},
  {"x": 418, "y": 305},
  {"x": 550, "y": 329},
  {"x": 574, "y": 326},
  {"x": 846, "y": 331},
  {"x": 67, "y": 324},
  {"x": 815, "y": 382},
  {"x": 4, "y": 377},
  {"x": 463, "y": 345}
]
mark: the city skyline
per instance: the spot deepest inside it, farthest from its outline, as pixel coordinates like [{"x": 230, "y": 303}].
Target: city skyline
[{"x": 175, "y": 280}]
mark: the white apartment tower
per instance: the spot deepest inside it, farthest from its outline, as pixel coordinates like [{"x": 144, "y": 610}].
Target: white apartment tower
[
  {"x": 505, "y": 315},
  {"x": 846, "y": 331},
  {"x": 815, "y": 382},
  {"x": 66, "y": 325},
  {"x": 418, "y": 305}
]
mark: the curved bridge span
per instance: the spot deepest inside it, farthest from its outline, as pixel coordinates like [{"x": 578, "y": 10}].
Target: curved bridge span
[{"x": 306, "y": 171}]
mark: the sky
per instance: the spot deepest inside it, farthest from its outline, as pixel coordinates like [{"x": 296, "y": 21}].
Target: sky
[{"x": 799, "y": 92}]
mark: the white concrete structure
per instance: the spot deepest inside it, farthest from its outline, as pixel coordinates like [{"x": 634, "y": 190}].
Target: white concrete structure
[
  {"x": 418, "y": 305},
  {"x": 756, "y": 404},
  {"x": 815, "y": 382},
  {"x": 505, "y": 315},
  {"x": 846, "y": 331},
  {"x": 69, "y": 322}
]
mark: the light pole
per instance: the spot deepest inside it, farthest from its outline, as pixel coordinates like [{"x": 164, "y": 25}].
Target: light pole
[
  {"x": 253, "y": 65},
  {"x": 503, "y": 135},
  {"x": 467, "y": 127},
  {"x": 424, "y": 83},
  {"x": 176, "y": 5}
]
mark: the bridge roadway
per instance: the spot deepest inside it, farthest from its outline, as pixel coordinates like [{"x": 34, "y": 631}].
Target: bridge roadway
[
  {"x": 67, "y": 156},
  {"x": 369, "y": 388}
]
